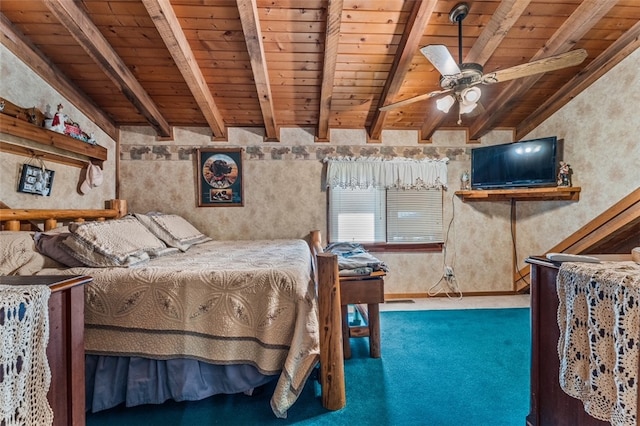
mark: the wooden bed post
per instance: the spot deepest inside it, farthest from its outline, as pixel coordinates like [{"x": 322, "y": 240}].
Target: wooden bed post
[
  {"x": 119, "y": 205},
  {"x": 331, "y": 352},
  {"x": 315, "y": 244}
]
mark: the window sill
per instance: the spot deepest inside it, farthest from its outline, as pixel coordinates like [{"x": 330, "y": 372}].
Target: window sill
[{"x": 403, "y": 248}]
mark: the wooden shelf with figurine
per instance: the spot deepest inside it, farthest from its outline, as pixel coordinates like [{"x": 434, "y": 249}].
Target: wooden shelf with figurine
[
  {"x": 32, "y": 140},
  {"x": 564, "y": 190},
  {"x": 567, "y": 193}
]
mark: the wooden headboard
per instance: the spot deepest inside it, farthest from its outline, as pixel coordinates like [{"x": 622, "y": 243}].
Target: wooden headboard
[{"x": 46, "y": 219}]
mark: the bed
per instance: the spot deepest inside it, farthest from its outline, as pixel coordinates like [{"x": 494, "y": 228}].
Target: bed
[{"x": 192, "y": 317}]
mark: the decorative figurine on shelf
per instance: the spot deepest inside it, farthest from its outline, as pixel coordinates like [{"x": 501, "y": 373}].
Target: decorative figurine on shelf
[
  {"x": 465, "y": 181},
  {"x": 563, "y": 174},
  {"x": 57, "y": 125}
]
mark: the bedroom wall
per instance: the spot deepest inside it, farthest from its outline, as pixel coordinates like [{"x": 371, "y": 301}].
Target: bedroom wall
[
  {"x": 21, "y": 86},
  {"x": 284, "y": 195},
  {"x": 283, "y": 181},
  {"x": 283, "y": 192},
  {"x": 601, "y": 128}
]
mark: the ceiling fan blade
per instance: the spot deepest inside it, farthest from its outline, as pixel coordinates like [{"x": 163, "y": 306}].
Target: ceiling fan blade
[
  {"x": 439, "y": 56},
  {"x": 414, "y": 99},
  {"x": 563, "y": 60}
]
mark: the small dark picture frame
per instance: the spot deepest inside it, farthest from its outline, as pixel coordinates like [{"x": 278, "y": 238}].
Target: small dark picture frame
[
  {"x": 36, "y": 180},
  {"x": 219, "y": 173}
]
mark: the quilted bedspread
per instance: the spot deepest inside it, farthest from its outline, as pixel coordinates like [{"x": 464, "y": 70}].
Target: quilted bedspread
[{"x": 223, "y": 302}]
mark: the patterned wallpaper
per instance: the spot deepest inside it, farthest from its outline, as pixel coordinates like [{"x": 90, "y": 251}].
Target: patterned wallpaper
[{"x": 172, "y": 152}]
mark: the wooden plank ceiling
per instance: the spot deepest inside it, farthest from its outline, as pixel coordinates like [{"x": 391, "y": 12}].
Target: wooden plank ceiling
[{"x": 310, "y": 63}]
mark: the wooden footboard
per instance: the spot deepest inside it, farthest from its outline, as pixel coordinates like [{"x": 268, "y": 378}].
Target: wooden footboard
[{"x": 325, "y": 269}]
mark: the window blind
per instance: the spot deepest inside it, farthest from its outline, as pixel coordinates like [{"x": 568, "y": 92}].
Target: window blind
[
  {"x": 357, "y": 215},
  {"x": 375, "y": 215},
  {"x": 414, "y": 216}
]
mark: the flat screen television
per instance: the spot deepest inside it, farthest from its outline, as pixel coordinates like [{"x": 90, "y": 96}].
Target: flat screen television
[{"x": 530, "y": 163}]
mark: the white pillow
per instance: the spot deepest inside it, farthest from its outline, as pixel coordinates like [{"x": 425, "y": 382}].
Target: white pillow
[
  {"x": 173, "y": 229},
  {"x": 121, "y": 242},
  {"x": 19, "y": 256}
]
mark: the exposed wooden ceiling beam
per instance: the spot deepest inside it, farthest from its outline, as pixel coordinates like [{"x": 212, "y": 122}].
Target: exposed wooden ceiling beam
[
  {"x": 586, "y": 15},
  {"x": 79, "y": 25},
  {"x": 505, "y": 16},
  {"x": 620, "y": 49},
  {"x": 332, "y": 38},
  {"x": 253, "y": 37},
  {"x": 28, "y": 53},
  {"x": 407, "y": 48},
  {"x": 168, "y": 26},
  {"x": 503, "y": 19}
]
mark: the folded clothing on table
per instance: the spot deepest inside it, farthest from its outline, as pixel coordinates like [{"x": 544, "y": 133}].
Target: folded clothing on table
[{"x": 353, "y": 259}]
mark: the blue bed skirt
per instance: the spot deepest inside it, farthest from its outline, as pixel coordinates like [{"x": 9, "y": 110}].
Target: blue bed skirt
[{"x": 113, "y": 380}]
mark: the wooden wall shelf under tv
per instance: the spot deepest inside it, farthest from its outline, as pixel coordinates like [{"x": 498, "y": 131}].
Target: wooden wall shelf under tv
[{"x": 566, "y": 193}]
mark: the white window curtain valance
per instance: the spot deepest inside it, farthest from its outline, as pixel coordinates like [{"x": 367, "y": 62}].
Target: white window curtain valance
[{"x": 376, "y": 172}]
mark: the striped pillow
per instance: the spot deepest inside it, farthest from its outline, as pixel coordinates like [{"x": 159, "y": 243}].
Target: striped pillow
[
  {"x": 121, "y": 242},
  {"x": 173, "y": 229}
]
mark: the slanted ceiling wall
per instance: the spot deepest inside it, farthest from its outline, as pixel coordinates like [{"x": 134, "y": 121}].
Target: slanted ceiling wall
[{"x": 284, "y": 195}]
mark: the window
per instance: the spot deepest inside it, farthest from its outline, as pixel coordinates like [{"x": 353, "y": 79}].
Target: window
[
  {"x": 401, "y": 210},
  {"x": 357, "y": 215},
  {"x": 385, "y": 216}
]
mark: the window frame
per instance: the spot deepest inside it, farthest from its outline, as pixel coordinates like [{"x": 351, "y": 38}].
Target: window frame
[{"x": 382, "y": 247}]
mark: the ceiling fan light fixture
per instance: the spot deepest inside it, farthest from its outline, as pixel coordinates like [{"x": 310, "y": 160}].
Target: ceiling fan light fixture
[
  {"x": 445, "y": 103},
  {"x": 467, "y": 108},
  {"x": 470, "y": 95}
]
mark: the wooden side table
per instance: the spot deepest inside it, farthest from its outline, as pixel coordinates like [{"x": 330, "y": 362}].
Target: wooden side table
[
  {"x": 358, "y": 290},
  {"x": 65, "y": 350}
]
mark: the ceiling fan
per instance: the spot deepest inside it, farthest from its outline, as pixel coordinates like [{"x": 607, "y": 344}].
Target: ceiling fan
[{"x": 460, "y": 81}]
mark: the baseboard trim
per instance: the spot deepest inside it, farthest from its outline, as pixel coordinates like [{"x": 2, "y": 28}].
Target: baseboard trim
[{"x": 393, "y": 296}]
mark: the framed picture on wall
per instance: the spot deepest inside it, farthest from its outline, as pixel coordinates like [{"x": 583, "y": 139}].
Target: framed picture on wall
[
  {"x": 35, "y": 180},
  {"x": 220, "y": 177}
]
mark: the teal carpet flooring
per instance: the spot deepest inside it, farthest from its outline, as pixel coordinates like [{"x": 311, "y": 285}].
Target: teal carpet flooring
[{"x": 440, "y": 368}]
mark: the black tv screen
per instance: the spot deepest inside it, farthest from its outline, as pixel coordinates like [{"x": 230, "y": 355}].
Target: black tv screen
[{"x": 530, "y": 163}]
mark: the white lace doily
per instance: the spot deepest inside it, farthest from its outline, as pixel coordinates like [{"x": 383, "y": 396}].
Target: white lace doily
[
  {"x": 24, "y": 334},
  {"x": 599, "y": 321}
]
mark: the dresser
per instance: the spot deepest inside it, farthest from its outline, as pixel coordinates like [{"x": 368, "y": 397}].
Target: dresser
[
  {"x": 65, "y": 350},
  {"x": 549, "y": 404}
]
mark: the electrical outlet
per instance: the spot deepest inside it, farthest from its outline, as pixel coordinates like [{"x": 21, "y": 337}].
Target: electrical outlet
[{"x": 448, "y": 271}]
